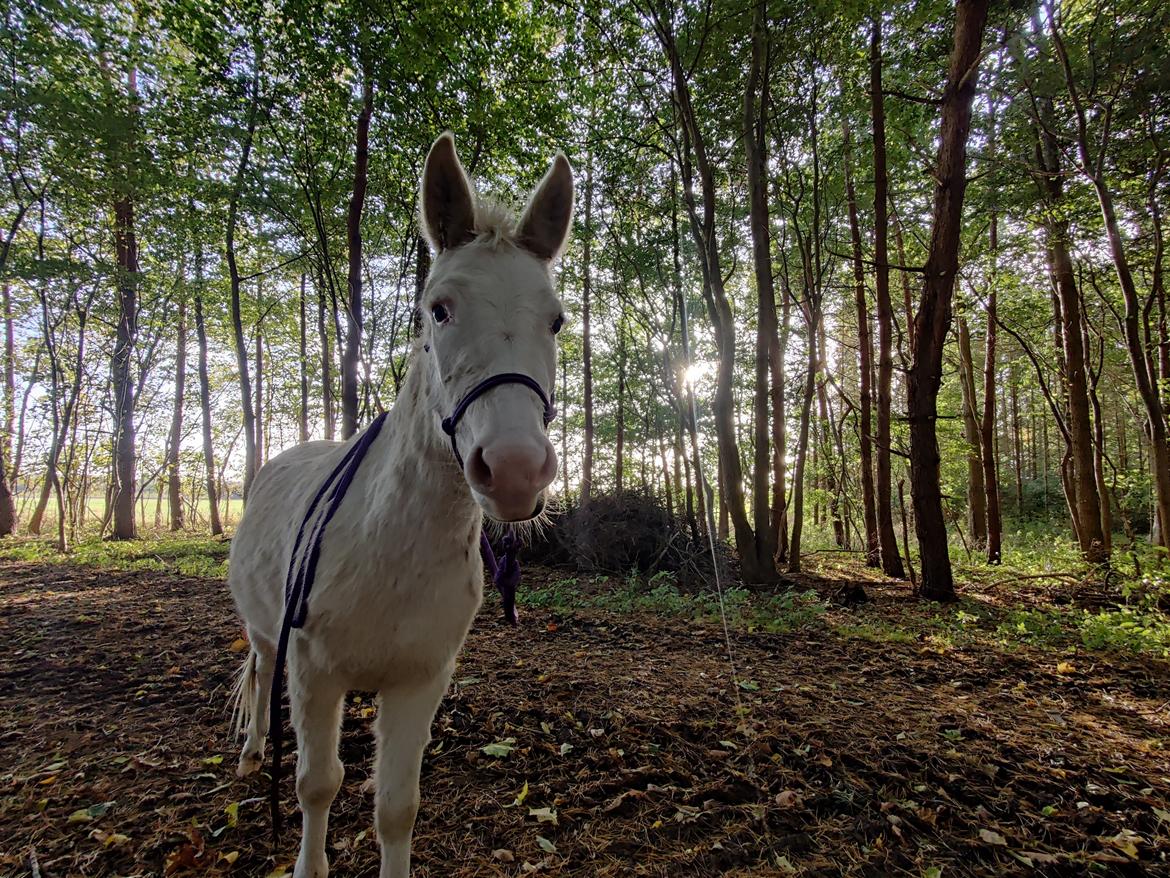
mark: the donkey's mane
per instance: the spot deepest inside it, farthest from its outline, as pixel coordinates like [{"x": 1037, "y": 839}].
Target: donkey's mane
[{"x": 495, "y": 222}]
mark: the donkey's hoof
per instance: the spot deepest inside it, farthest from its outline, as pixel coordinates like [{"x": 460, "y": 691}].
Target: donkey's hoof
[
  {"x": 249, "y": 764},
  {"x": 311, "y": 867}
]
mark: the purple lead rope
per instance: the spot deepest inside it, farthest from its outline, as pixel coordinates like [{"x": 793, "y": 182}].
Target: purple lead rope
[{"x": 302, "y": 568}]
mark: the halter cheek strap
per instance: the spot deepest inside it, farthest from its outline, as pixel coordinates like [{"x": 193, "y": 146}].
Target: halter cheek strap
[{"x": 451, "y": 422}]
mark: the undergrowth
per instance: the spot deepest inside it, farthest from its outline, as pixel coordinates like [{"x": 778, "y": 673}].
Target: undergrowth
[{"x": 183, "y": 555}]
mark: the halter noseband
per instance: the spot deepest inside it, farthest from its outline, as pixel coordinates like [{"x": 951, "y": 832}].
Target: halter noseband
[{"x": 451, "y": 423}]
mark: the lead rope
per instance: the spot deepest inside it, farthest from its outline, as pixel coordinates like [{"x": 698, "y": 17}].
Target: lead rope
[
  {"x": 297, "y": 586},
  {"x": 299, "y": 580}
]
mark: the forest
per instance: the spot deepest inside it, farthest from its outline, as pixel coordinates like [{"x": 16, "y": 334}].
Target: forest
[{"x": 864, "y": 382}]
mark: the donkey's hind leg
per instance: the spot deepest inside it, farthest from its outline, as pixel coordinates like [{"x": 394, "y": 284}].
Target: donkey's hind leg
[
  {"x": 404, "y": 729},
  {"x": 316, "y": 713},
  {"x": 256, "y": 691}
]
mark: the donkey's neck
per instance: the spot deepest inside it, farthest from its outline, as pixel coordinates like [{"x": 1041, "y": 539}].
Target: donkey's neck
[{"x": 412, "y": 465}]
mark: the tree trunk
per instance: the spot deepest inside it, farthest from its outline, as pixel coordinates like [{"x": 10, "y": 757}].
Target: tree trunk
[
  {"x": 326, "y": 360},
  {"x": 797, "y": 501},
  {"x": 865, "y": 367},
  {"x": 934, "y": 310},
  {"x": 767, "y": 339},
  {"x": 125, "y": 453},
  {"x": 353, "y": 313},
  {"x": 205, "y": 399},
  {"x": 987, "y": 425},
  {"x": 303, "y": 365},
  {"x": 887, "y": 538},
  {"x": 259, "y": 342},
  {"x": 7, "y": 501},
  {"x": 174, "y": 477},
  {"x": 619, "y": 465},
  {"x": 587, "y": 334},
  {"x": 694, "y": 158},
  {"x": 976, "y": 493},
  {"x": 250, "y": 464}
]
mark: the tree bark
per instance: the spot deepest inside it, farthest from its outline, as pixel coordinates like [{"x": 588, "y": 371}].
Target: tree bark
[
  {"x": 259, "y": 387},
  {"x": 303, "y": 364},
  {"x": 767, "y": 339},
  {"x": 987, "y": 425},
  {"x": 1086, "y": 506},
  {"x": 326, "y": 360},
  {"x": 7, "y": 500},
  {"x": 353, "y": 313},
  {"x": 587, "y": 333},
  {"x": 887, "y": 538},
  {"x": 125, "y": 453},
  {"x": 934, "y": 310},
  {"x": 865, "y": 368},
  {"x": 205, "y": 399},
  {"x": 174, "y": 477},
  {"x": 250, "y": 464},
  {"x": 694, "y": 158},
  {"x": 976, "y": 491}
]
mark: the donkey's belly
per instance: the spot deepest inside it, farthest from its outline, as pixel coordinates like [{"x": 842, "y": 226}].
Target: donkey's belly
[{"x": 406, "y": 632}]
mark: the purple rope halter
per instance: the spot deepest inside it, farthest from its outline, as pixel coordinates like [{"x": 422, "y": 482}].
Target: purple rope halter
[{"x": 302, "y": 568}]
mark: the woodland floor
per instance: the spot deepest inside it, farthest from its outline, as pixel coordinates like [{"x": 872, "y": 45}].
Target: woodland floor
[{"x": 854, "y": 757}]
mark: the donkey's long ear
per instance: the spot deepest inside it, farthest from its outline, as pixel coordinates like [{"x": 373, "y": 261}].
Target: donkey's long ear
[
  {"x": 546, "y": 221},
  {"x": 448, "y": 207}
]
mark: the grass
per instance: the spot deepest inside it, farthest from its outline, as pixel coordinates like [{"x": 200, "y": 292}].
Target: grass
[
  {"x": 1005, "y": 606},
  {"x": 184, "y": 554}
]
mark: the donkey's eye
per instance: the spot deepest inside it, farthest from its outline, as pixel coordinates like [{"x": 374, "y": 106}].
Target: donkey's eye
[
  {"x": 558, "y": 323},
  {"x": 440, "y": 313}
]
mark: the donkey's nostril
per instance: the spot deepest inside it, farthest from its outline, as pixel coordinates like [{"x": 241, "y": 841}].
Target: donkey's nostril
[{"x": 478, "y": 472}]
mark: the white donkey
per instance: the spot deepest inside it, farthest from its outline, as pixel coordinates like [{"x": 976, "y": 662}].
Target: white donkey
[{"x": 400, "y": 576}]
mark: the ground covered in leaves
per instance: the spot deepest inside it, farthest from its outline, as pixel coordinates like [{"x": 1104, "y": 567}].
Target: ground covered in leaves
[{"x": 592, "y": 743}]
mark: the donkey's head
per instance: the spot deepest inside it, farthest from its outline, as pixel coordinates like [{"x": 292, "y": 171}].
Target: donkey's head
[{"x": 489, "y": 310}]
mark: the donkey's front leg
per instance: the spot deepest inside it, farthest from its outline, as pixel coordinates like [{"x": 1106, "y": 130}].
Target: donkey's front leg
[
  {"x": 316, "y": 713},
  {"x": 404, "y": 729}
]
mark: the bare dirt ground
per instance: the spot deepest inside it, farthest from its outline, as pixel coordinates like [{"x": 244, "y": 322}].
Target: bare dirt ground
[{"x": 850, "y": 757}]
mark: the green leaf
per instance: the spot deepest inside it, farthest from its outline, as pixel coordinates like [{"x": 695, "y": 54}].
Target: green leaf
[
  {"x": 500, "y": 749},
  {"x": 545, "y": 845},
  {"x": 749, "y": 685},
  {"x": 544, "y": 815}
]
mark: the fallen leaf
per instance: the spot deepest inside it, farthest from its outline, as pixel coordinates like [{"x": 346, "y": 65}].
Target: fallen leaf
[
  {"x": 503, "y": 855},
  {"x": 499, "y": 749},
  {"x": 544, "y": 815},
  {"x": 233, "y": 813},
  {"x": 992, "y": 837},
  {"x": 1065, "y": 668},
  {"x": 522, "y": 795},
  {"x": 238, "y": 645},
  {"x": 230, "y": 857},
  {"x": 788, "y": 799},
  {"x": 545, "y": 845}
]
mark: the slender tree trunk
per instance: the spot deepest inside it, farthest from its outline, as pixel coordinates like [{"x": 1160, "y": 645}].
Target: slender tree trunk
[
  {"x": 303, "y": 365},
  {"x": 174, "y": 477},
  {"x": 353, "y": 315},
  {"x": 987, "y": 426},
  {"x": 587, "y": 333},
  {"x": 7, "y": 501},
  {"x": 326, "y": 361},
  {"x": 934, "y": 311},
  {"x": 125, "y": 453},
  {"x": 887, "y": 538},
  {"x": 259, "y": 342},
  {"x": 694, "y": 158},
  {"x": 976, "y": 493},
  {"x": 1017, "y": 448},
  {"x": 205, "y": 399},
  {"x": 865, "y": 367},
  {"x": 767, "y": 339},
  {"x": 620, "y": 421},
  {"x": 250, "y": 460},
  {"x": 802, "y": 443}
]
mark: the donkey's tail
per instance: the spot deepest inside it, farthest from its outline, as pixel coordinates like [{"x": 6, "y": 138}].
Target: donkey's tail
[{"x": 243, "y": 696}]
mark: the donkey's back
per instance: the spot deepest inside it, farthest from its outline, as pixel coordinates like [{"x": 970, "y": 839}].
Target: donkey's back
[{"x": 264, "y": 539}]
